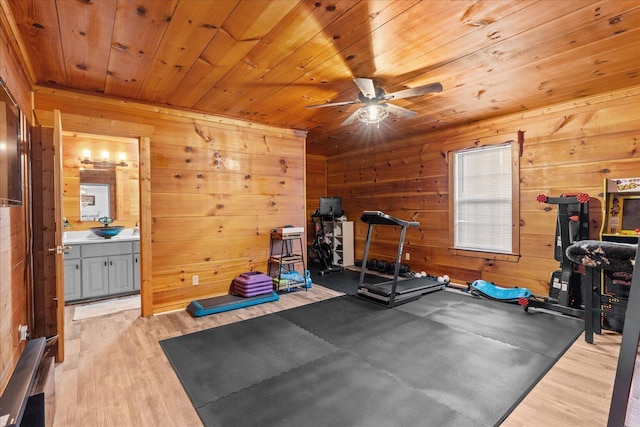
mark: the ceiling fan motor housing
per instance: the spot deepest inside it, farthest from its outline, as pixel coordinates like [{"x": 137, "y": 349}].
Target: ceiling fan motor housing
[{"x": 379, "y": 97}]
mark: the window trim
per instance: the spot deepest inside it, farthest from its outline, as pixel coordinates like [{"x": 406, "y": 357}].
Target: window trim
[{"x": 514, "y": 256}]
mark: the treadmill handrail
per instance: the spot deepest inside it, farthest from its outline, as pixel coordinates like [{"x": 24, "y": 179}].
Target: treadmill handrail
[{"x": 381, "y": 218}]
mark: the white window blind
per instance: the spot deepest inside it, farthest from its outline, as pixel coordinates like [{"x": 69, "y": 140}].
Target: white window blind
[{"x": 483, "y": 199}]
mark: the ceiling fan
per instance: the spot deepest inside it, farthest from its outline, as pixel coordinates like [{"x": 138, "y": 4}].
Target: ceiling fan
[{"x": 375, "y": 99}]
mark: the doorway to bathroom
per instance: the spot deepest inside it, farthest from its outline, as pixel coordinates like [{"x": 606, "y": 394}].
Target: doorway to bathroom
[{"x": 100, "y": 181}]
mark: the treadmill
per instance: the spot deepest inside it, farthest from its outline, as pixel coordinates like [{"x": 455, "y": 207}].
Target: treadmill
[{"x": 393, "y": 292}]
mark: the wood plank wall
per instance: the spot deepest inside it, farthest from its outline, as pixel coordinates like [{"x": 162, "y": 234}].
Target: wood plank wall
[
  {"x": 316, "y": 188},
  {"x": 218, "y": 187},
  {"x": 567, "y": 148},
  {"x": 15, "y": 229}
]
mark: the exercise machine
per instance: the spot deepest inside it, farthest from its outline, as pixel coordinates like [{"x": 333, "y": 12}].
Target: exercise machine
[
  {"x": 321, "y": 244},
  {"x": 394, "y": 292},
  {"x": 565, "y": 286}
]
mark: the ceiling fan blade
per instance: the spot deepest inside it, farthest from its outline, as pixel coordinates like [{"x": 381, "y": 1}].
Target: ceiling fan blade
[
  {"x": 352, "y": 118},
  {"x": 332, "y": 104},
  {"x": 366, "y": 86},
  {"x": 416, "y": 91},
  {"x": 400, "y": 111}
]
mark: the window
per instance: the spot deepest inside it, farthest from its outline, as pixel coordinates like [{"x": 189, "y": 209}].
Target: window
[{"x": 484, "y": 186}]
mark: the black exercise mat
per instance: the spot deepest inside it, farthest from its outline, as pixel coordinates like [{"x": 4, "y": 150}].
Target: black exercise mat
[
  {"x": 338, "y": 390},
  {"x": 501, "y": 321},
  {"x": 447, "y": 359},
  {"x": 219, "y": 361}
]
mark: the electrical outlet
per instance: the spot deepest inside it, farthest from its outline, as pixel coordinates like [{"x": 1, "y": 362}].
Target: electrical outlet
[
  {"x": 23, "y": 333},
  {"x": 195, "y": 280},
  {"x": 407, "y": 256}
]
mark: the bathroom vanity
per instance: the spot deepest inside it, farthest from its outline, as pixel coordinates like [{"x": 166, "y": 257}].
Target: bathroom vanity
[{"x": 99, "y": 268}]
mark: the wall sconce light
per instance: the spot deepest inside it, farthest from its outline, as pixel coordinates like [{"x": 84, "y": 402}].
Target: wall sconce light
[
  {"x": 104, "y": 160},
  {"x": 374, "y": 113}
]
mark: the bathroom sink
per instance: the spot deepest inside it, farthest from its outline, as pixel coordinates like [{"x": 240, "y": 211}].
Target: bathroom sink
[{"x": 107, "y": 231}]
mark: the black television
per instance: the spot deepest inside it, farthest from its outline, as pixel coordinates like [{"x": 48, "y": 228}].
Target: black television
[
  {"x": 330, "y": 206},
  {"x": 10, "y": 150}
]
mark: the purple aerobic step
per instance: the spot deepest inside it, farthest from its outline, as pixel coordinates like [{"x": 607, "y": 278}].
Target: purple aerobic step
[
  {"x": 250, "y": 288},
  {"x": 255, "y": 292},
  {"x": 254, "y": 277},
  {"x": 243, "y": 283}
]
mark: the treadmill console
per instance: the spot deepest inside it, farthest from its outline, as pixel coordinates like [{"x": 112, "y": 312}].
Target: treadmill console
[{"x": 378, "y": 217}]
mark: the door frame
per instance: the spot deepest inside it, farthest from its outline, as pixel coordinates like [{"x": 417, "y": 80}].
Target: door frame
[{"x": 59, "y": 230}]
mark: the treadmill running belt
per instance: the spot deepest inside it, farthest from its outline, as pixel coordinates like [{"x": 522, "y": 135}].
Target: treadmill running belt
[{"x": 403, "y": 286}]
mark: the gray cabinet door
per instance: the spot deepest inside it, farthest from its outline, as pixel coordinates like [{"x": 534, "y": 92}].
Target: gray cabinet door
[
  {"x": 120, "y": 274},
  {"x": 95, "y": 277},
  {"x": 72, "y": 280}
]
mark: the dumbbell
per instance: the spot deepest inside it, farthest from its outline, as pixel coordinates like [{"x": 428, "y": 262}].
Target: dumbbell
[{"x": 404, "y": 269}]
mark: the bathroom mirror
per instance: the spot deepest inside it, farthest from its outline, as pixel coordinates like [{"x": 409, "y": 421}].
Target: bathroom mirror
[{"x": 94, "y": 201}]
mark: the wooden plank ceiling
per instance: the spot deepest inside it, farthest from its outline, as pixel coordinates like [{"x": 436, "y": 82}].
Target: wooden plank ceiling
[{"x": 264, "y": 60}]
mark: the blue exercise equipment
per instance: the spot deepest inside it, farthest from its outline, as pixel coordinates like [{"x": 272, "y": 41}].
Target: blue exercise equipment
[
  {"x": 490, "y": 290},
  {"x": 287, "y": 277},
  {"x": 223, "y": 303}
]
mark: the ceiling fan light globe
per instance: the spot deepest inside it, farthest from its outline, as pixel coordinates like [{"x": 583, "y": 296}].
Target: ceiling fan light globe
[{"x": 372, "y": 113}]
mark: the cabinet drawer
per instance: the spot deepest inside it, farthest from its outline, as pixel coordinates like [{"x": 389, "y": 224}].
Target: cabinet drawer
[
  {"x": 73, "y": 253},
  {"x": 136, "y": 247},
  {"x": 106, "y": 249}
]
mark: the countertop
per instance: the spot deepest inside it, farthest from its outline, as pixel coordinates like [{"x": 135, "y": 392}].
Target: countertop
[{"x": 86, "y": 236}]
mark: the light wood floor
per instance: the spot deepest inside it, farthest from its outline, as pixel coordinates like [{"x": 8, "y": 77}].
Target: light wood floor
[{"x": 116, "y": 374}]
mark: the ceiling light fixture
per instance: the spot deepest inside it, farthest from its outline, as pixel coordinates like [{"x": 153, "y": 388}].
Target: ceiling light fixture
[{"x": 373, "y": 113}]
